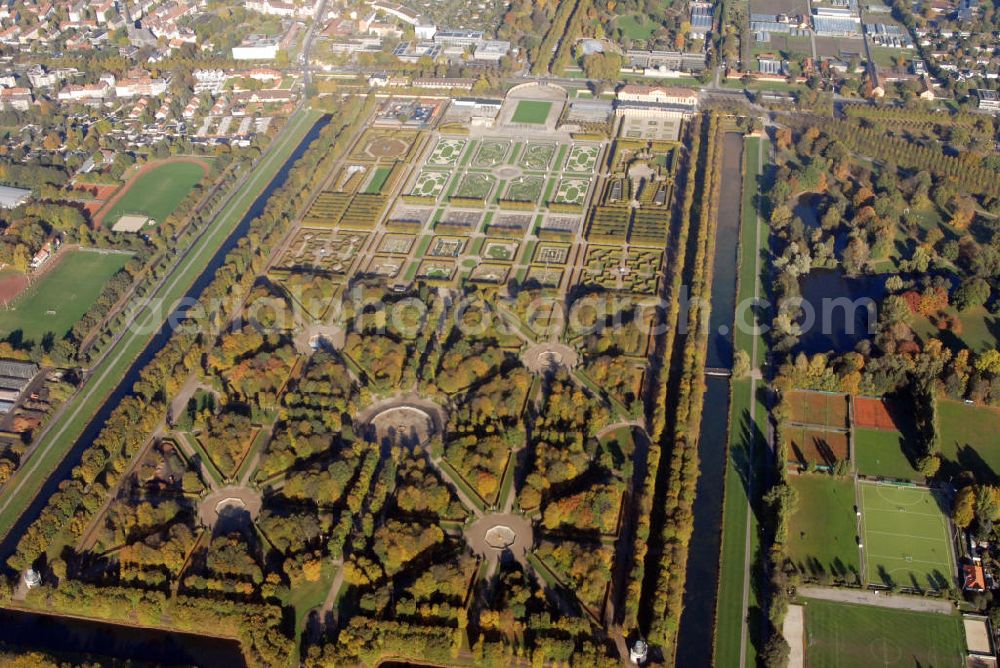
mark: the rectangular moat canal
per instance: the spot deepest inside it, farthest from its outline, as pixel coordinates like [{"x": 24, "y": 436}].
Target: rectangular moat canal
[{"x": 697, "y": 628}]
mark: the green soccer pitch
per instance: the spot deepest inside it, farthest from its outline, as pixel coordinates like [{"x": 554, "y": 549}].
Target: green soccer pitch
[
  {"x": 53, "y": 303},
  {"x": 841, "y": 635},
  {"x": 906, "y": 538}
]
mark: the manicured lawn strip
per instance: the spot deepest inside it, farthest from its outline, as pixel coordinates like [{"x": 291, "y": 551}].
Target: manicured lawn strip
[
  {"x": 880, "y": 453},
  {"x": 157, "y": 192},
  {"x": 411, "y": 271},
  {"x": 19, "y": 492},
  {"x": 508, "y": 478},
  {"x": 487, "y": 219},
  {"x": 531, "y": 111},
  {"x": 561, "y": 158},
  {"x": 477, "y": 245},
  {"x": 743, "y": 337},
  {"x": 906, "y": 537},
  {"x": 213, "y": 470},
  {"x": 378, "y": 180},
  {"x": 550, "y": 186},
  {"x": 54, "y": 303},
  {"x": 822, "y": 530},
  {"x": 457, "y": 478},
  {"x": 969, "y": 436},
  {"x": 263, "y": 435},
  {"x": 598, "y": 391},
  {"x": 470, "y": 151},
  {"x": 515, "y": 152},
  {"x": 729, "y": 616},
  {"x": 529, "y": 251},
  {"x": 454, "y": 184},
  {"x": 542, "y": 571},
  {"x": 844, "y": 635},
  {"x": 425, "y": 242}
]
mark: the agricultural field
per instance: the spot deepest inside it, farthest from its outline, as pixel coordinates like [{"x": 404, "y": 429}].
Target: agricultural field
[
  {"x": 822, "y": 534},
  {"x": 53, "y": 303},
  {"x": 156, "y": 193},
  {"x": 843, "y": 635},
  {"x": 906, "y": 536}
]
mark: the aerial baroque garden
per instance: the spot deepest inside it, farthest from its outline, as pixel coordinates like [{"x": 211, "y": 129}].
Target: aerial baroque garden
[{"x": 349, "y": 466}]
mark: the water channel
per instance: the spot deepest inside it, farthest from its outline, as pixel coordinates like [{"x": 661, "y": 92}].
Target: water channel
[
  {"x": 76, "y": 635},
  {"x": 697, "y": 627}
]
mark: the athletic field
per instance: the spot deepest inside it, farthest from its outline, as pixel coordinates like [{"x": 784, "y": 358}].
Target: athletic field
[
  {"x": 969, "y": 438},
  {"x": 906, "y": 537},
  {"x": 843, "y": 635},
  {"x": 531, "y": 111},
  {"x": 157, "y": 193},
  {"x": 822, "y": 532},
  {"x": 880, "y": 452},
  {"x": 56, "y": 301}
]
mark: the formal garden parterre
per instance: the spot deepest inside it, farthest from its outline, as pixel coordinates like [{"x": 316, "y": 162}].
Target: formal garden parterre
[{"x": 348, "y": 475}]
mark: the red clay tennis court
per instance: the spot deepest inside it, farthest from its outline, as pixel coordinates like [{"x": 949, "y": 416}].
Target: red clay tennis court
[
  {"x": 871, "y": 413},
  {"x": 818, "y": 408},
  {"x": 814, "y": 446}
]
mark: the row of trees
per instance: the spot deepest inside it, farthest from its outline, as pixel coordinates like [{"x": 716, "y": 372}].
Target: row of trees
[
  {"x": 682, "y": 473},
  {"x": 658, "y": 388},
  {"x": 69, "y": 510}
]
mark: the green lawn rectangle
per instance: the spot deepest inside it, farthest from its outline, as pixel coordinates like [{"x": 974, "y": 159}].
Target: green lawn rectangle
[
  {"x": 743, "y": 437},
  {"x": 822, "y": 533},
  {"x": 880, "y": 452},
  {"x": 843, "y": 635},
  {"x": 906, "y": 537},
  {"x": 531, "y": 111},
  {"x": 157, "y": 192},
  {"x": 969, "y": 439},
  {"x": 55, "y": 302},
  {"x": 378, "y": 180}
]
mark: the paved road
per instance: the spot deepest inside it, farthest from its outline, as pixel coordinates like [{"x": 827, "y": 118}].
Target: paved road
[{"x": 866, "y": 597}]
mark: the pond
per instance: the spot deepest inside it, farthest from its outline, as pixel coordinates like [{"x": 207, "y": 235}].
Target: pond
[
  {"x": 840, "y": 310},
  {"x": 83, "y": 637}
]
